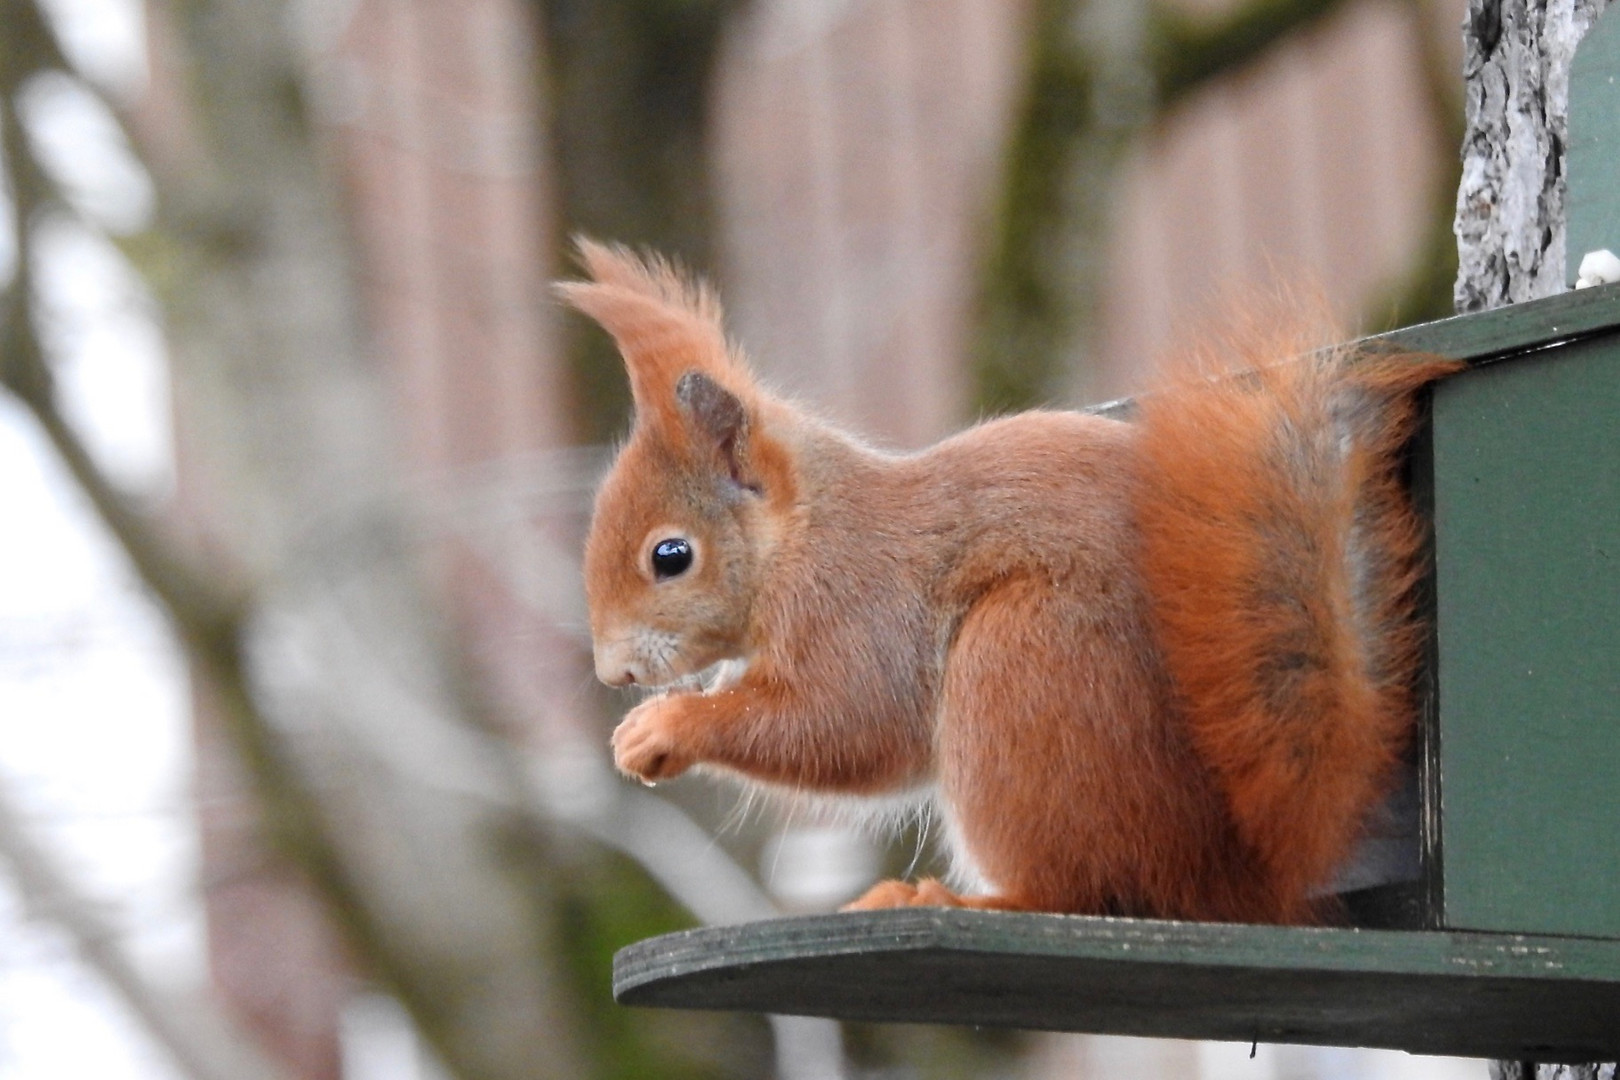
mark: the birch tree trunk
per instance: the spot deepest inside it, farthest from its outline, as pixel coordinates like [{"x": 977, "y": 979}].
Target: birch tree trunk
[
  {"x": 1529, "y": 1070},
  {"x": 1510, "y": 205}
]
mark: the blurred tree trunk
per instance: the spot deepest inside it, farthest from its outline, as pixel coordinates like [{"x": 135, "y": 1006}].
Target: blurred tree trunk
[
  {"x": 1510, "y": 205},
  {"x": 1089, "y": 94},
  {"x": 629, "y": 88},
  {"x": 1102, "y": 73}
]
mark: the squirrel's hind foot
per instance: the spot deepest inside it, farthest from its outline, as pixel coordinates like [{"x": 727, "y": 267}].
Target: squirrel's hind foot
[{"x": 926, "y": 893}]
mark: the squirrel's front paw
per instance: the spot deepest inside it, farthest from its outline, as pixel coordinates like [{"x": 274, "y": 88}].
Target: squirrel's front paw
[{"x": 645, "y": 745}]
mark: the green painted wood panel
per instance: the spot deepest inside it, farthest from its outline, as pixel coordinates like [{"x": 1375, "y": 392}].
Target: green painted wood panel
[
  {"x": 1476, "y": 995},
  {"x": 1518, "y": 328},
  {"x": 1527, "y": 564},
  {"x": 1592, "y": 208}
]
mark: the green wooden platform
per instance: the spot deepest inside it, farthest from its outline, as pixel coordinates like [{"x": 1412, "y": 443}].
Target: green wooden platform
[{"x": 1430, "y": 992}]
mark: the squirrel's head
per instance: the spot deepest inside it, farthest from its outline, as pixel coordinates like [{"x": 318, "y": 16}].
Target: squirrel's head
[{"x": 684, "y": 521}]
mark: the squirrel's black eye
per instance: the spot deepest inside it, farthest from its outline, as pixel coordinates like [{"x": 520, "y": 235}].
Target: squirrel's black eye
[{"x": 671, "y": 558}]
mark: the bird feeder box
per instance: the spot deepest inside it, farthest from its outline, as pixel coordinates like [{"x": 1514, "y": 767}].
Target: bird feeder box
[{"x": 1507, "y": 944}]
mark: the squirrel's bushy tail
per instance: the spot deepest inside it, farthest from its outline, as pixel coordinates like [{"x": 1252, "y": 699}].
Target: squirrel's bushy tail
[{"x": 1281, "y": 554}]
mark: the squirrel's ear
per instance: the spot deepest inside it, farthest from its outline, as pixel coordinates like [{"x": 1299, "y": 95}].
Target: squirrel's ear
[
  {"x": 719, "y": 423},
  {"x": 663, "y": 322}
]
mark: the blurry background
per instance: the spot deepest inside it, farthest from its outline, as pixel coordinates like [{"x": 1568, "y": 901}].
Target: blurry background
[{"x": 302, "y": 770}]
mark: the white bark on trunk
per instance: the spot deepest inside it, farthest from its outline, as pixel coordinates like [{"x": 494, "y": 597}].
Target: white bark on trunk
[{"x": 1510, "y": 205}]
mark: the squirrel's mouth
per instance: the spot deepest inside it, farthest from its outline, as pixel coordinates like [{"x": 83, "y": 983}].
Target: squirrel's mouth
[{"x": 718, "y": 676}]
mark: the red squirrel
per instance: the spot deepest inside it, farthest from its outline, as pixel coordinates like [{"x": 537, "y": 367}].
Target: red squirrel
[{"x": 1156, "y": 668}]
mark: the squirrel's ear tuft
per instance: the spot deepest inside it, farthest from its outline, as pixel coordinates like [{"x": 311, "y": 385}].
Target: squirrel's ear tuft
[
  {"x": 664, "y": 323},
  {"x": 719, "y": 423}
]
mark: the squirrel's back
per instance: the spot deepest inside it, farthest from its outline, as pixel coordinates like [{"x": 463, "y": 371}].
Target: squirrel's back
[{"x": 1280, "y": 553}]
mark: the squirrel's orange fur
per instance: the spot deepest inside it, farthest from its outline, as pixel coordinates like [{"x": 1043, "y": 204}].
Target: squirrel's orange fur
[{"x": 1154, "y": 668}]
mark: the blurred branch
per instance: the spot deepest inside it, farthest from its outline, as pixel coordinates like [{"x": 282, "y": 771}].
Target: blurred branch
[
  {"x": 30, "y": 44},
  {"x": 672, "y": 848},
  {"x": 683, "y": 858},
  {"x": 206, "y": 615},
  {"x": 1188, "y": 51},
  {"x": 442, "y": 899},
  {"x": 27, "y": 48},
  {"x": 201, "y": 1039}
]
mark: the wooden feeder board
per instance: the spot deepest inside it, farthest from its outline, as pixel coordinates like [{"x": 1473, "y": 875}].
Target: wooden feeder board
[{"x": 1508, "y": 943}]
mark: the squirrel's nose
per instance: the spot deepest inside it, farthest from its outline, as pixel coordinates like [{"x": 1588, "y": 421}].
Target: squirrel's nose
[{"x": 614, "y": 669}]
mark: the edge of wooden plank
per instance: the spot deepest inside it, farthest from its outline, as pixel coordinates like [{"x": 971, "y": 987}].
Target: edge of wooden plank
[
  {"x": 1289, "y": 948},
  {"x": 1485, "y": 337},
  {"x": 1431, "y": 992},
  {"x": 1482, "y": 337}
]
